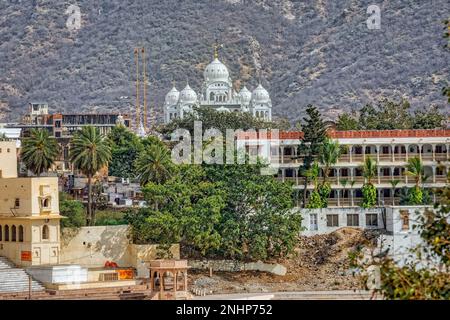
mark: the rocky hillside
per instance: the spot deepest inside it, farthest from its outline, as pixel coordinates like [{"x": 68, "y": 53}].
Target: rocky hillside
[{"x": 312, "y": 51}]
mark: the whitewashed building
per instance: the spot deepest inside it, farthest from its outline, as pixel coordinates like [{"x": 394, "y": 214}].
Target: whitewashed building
[{"x": 217, "y": 91}]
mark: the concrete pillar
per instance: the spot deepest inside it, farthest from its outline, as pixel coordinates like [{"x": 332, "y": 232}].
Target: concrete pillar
[
  {"x": 433, "y": 150},
  {"x": 282, "y": 174},
  {"x": 420, "y": 152},
  {"x": 282, "y": 154},
  {"x": 338, "y": 191},
  {"x": 392, "y": 153},
  {"x": 350, "y": 152},
  {"x": 434, "y": 172},
  {"x": 407, "y": 151},
  {"x": 378, "y": 174}
]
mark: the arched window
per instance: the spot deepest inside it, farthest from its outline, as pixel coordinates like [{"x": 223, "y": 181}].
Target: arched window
[
  {"x": 211, "y": 96},
  {"x": 6, "y": 233},
  {"x": 20, "y": 233},
  {"x": 1, "y": 233},
  {"x": 13, "y": 233},
  {"x": 45, "y": 232}
]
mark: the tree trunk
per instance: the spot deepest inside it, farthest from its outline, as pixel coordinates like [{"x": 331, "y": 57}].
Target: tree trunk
[
  {"x": 304, "y": 192},
  {"x": 89, "y": 206}
]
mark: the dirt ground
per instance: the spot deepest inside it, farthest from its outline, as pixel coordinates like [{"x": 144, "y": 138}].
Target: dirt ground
[{"x": 319, "y": 263}]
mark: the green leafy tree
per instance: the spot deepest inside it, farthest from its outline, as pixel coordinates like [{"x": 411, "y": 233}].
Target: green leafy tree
[
  {"x": 369, "y": 191},
  {"x": 330, "y": 151},
  {"x": 89, "y": 152},
  {"x": 72, "y": 210},
  {"x": 259, "y": 220},
  {"x": 347, "y": 121},
  {"x": 185, "y": 209},
  {"x": 154, "y": 164},
  {"x": 314, "y": 131},
  {"x": 431, "y": 118},
  {"x": 415, "y": 169},
  {"x": 315, "y": 200},
  {"x": 212, "y": 118},
  {"x": 39, "y": 151},
  {"x": 125, "y": 149},
  {"x": 368, "y": 117}
]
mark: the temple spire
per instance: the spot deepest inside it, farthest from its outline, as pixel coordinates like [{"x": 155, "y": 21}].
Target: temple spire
[{"x": 216, "y": 47}]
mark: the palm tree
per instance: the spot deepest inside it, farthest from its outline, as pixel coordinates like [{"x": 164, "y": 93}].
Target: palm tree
[
  {"x": 416, "y": 170},
  {"x": 39, "y": 151},
  {"x": 329, "y": 155},
  {"x": 394, "y": 184},
  {"x": 154, "y": 164},
  {"x": 369, "y": 169},
  {"x": 344, "y": 184},
  {"x": 313, "y": 174},
  {"x": 89, "y": 152}
]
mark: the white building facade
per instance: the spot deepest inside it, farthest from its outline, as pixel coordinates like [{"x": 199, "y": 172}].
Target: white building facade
[
  {"x": 391, "y": 150},
  {"x": 217, "y": 91}
]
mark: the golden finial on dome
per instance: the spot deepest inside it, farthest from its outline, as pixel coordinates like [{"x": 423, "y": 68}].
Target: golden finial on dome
[{"x": 216, "y": 47}]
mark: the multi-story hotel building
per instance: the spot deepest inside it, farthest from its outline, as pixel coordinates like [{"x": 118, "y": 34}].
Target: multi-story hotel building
[
  {"x": 62, "y": 127},
  {"x": 391, "y": 149}
]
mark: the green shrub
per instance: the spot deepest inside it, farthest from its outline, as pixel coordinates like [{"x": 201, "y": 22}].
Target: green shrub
[
  {"x": 369, "y": 195},
  {"x": 315, "y": 201},
  {"x": 109, "y": 218},
  {"x": 73, "y": 210}
]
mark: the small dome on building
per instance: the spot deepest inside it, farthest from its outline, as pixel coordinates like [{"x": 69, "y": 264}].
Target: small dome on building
[
  {"x": 216, "y": 71},
  {"x": 187, "y": 95},
  {"x": 172, "y": 97},
  {"x": 246, "y": 95},
  {"x": 260, "y": 95}
]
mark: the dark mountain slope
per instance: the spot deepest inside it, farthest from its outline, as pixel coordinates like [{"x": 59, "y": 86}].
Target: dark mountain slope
[{"x": 312, "y": 51}]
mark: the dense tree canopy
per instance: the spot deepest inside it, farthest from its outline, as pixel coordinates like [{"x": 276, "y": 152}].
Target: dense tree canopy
[
  {"x": 125, "y": 148},
  {"x": 389, "y": 115},
  {"x": 228, "y": 211},
  {"x": 211, "y": 118}
]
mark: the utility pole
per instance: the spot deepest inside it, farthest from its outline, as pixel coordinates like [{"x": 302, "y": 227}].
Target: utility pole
[{"x": 138, "y": 109}]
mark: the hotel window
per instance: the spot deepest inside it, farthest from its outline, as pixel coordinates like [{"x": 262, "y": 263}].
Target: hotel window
[
  {"x": 1, "y": 233},
  {"x": 313, "y": 221},
  {"x": 353, "y": 220},
  {"x": 404, "y": 216},
  {"x": 45, "y": 232},
  {"x": 6, "y": 233},
  {"x": 20, "y": 233},
  {"x": 332, "y": 220},
  {"x": 17, "y": 203},
  {"x": 8, "y": 150},
  {"x": 371, "y": 220},
  {"x": 13, "y": 233}
]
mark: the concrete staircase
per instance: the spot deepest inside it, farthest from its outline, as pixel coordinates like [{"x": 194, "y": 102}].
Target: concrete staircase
[{"x": 13, "y": 279}]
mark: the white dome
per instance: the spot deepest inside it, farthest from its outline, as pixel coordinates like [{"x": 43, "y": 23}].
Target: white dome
[
  {"x": 172, "y": 97},
  {"x": 187, "y": 95},
  {"x": 216, "y": 71},
  {"x": 223, "y": 109},
  {"x": 246, "y": 95},
  {"x": 260, "y": 95}
]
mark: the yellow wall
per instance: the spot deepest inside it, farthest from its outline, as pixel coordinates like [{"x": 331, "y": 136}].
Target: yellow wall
[
  {"x": 29, "y": 191},
  {"x": 43, "y": 251},
  {"x": 8, "y": 159}
]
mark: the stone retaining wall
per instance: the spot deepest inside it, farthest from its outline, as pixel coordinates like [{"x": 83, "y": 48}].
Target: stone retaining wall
[{"x": 235, "y": 266}]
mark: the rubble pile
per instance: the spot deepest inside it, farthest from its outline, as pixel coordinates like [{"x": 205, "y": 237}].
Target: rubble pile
[{"x": 319, "y": 262}]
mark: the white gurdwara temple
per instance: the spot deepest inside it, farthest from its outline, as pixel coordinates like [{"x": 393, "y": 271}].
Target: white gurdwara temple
[{"x": 217, "y": 92}]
